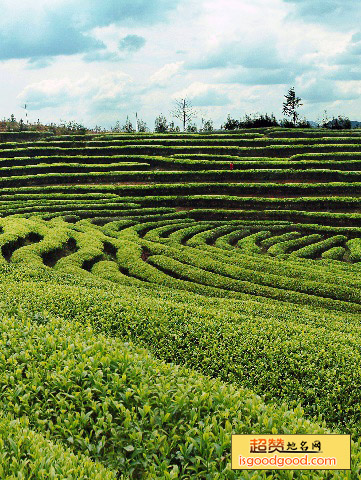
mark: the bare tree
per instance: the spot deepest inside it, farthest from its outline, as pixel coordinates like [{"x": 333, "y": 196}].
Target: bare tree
[{"x": 184, "y": 111}]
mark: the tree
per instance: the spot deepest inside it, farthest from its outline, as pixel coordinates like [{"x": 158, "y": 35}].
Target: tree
[
  {"x": 161, "y": 124},
  {"x": 128, "y": 126},
  {"x": 231, "y": 124},
  {"x": 258, "y": 121},
  {"x": 325, "y": 119},
  {"x": 191, "y": 128},
  {"x": 291, "y": 105},
  {"x": 339, "y": 123},
  {"x": 184, "y": 111},
  {"x": 141, "y": 125},
  {"x": 117, "y": 128},
  {"x": 207, "y": 126},
  {"x": 172, "y": 128}
]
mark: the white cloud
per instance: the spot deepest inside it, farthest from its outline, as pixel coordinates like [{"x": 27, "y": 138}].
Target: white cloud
[
  {"x": 162, "y": 76},
  {"x": 34, "y": 28},
  {"x": 92, "y": 91},
  {"x": 203, "y": 95},
  {"x": 320, "y": 90},
  {"x": 338, "y": 14},
  {"x": 67, "y": 58}
]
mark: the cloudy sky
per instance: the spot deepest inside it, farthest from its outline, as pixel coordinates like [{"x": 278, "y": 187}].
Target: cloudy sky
[{"x": 97, "y": 61}]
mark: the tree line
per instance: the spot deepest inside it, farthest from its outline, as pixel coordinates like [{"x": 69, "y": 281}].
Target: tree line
[
  {"x": 290, "y": 108},
  {"x": 183, "y": 110}
]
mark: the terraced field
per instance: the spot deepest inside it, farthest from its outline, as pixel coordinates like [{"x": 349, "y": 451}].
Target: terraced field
[{"x": 155, "y": 300}]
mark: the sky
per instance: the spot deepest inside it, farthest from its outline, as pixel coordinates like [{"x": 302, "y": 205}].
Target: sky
[{"x": 98, "y": 61}]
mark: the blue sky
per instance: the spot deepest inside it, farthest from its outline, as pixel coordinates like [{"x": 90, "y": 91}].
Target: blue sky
[{"x": 96, "y": 62}]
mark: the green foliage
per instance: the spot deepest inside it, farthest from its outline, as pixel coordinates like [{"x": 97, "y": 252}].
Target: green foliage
[
  {"x": 354, "y": 246},
  {"x": 258, "y": 121},
  {"x": 109, "y": 407},
  {"x": 248, "y": 277},
  {"x": 207, "y": 126},
  {"x": 334, "y": 253},
  {"x": 191, "y": 128},
  {"x": 291, "y": 105},
  {"x": 339, "y": 123},
  {"x": 128, "y": 126},
  {"x": 141, "y": 126},
  {"x": 27, "y": 454},
  {"x": 161, "y": 124}
]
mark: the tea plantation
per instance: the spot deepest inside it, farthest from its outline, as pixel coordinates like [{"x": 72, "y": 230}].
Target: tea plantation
[{"x": 161, "y": 292}]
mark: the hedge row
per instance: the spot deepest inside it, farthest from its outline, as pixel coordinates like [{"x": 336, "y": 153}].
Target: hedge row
[
  {"x": 182, "y": 346},
  {"x": 79, "y": 160},
  {"x": 310, "y": 132},
  {"x": 75, "y": 206},
  {"x": 288, "y": 189},
  {"x": 249, "y": 243},
  {"x": 269, "y": 242},
  {"x": 191, "y": 162},
  {"x": 330, "y": 219},
  {"x": 228, "y": 201},
  {"x": 297, "y": 268},
  {"x": 190, "y": 141},
  {"x": 253, "y": 133},
  {"x": 109, "y": 408},
  {"x": 217, "y": 273},
  {"x": 27, "y": 454},
  {"x": 268, "y": 151},
  {"x": 335, "y": 253},
  {"x": 288, "y": 246},
  {"x": 71, "y": 168},
  {"x": 227, "y": 241},
  {"x": 315, "y": 249},
  {"x": 354, "y": 246}
]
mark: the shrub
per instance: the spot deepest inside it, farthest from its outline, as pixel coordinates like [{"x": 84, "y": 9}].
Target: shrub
[
  {"x": 258, "y": 121},
  {"x": 339, "y": 123},
  {"x": 161, "y": 125}
]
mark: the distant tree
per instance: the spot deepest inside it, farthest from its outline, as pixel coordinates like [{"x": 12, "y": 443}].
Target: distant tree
[
  {"x": 128, "y": 126},
  {"x": 184, "y": 111},
  {"x": 303, "y": 123},
  {"x": 11, "y": 123},
  {"x": 192, "y": 128},
  {"x": 117, "y": 128},
  {"x": 141, "y": 125},
  {"x": 325, "y": 118},
  {"x": 231, "y": 124},
  {"x": 67, "y": 128},
  {"x": 258, "y": 121},
  {"x": 161, "y": 124},
  {"x": 172, "y": 128},
  {"x": 339, "y": 123},
  {"x": 207, "y": 126},
  {"x": 291, "y": 105}
]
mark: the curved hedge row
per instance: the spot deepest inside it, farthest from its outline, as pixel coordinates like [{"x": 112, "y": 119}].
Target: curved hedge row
[{"x": 255, "y": 283}]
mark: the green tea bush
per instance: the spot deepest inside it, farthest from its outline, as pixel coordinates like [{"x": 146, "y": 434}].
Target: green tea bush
[
  {"x": 315, "y": 249},
  {"x": 334, "y": 253},
  {"x": 110, "y": 408},
  {"x": 354, "y": 246}
]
